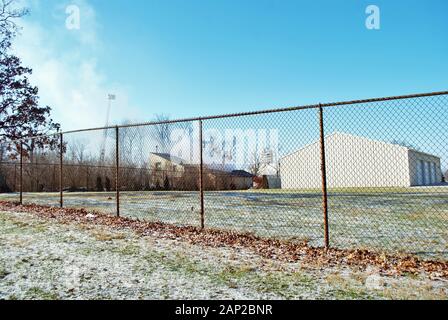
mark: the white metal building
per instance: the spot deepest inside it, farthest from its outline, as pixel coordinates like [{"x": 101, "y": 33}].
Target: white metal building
[{"x": 354, "y": 161}]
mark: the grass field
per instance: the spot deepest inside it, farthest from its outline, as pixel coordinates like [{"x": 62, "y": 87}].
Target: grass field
[
  {"x": 411, "y": 220},
  {"x": 44, "y": 259}
]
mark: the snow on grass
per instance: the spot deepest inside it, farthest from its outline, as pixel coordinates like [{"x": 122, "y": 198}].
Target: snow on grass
[
  {"x": 41, "y": 259},
  {"x": 412, "y": 220}
]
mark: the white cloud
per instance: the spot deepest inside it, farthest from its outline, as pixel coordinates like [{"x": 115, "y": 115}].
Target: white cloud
[{"x": 66, "y": 72}]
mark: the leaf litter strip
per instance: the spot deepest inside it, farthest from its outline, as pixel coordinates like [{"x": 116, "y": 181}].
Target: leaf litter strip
[{"x": 283, "y": 250}]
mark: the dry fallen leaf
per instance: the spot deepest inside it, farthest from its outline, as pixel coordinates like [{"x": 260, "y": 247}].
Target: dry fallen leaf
[{"x": 269, "y": 248}]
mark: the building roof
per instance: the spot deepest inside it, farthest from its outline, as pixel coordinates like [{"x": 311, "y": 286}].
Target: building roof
[
  {"x": 170, "y": 158},
  {"x": 338, "y": 134},
  {"x": 241, "y": 173}
]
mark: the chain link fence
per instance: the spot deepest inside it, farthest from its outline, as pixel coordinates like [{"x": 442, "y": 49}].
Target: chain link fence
[{"x": 357, "y": 174}]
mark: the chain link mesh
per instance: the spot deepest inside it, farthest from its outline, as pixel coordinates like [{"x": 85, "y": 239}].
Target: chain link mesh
[
  {"x": 243, "y": 163},
  {"x": 159, "y": 172},
  {"x": 386, "y": 161},
  {"x": 385, "y": 165}
]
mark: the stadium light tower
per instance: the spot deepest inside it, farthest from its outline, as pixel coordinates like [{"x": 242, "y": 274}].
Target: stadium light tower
[{"x": 110, "y": 98}]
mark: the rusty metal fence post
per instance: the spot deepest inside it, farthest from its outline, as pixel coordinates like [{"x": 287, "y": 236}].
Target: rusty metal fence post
[
  {"x": 61, "y": 170},
  {"x": 201, "y": 171},
  {"x": 117, "y": 171},
  {"x": 324, "y": 177},
  {"x": 21, "y": 172}
]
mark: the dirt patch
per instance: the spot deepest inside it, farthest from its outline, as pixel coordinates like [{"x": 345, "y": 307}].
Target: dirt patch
[{"x": 387, "y": 264}]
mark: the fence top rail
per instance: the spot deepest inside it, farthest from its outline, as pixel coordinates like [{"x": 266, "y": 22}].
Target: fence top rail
[{"x": 249, "y": 113}]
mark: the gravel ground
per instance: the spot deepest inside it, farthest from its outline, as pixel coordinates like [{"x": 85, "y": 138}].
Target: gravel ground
[{"x": 41, "y": 259}]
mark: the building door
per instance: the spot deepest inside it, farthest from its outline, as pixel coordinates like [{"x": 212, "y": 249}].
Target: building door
[
  {"x": 433, "y": 173},
  {"x": 420, "y": 179},
  {"x": 420, "y": 173},
  {"x": 427, "y": 173},
  {"x": 430, "y": 174}
]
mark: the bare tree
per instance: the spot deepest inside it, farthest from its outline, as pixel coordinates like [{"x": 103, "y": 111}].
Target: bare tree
[
  {"x": 162, "y": 133},
  {"x": 255, "y": 164},
  {"x": 132, "y": 146},
  {"x": 77, "y": 151},
  {"x": 187, "y": 127}
]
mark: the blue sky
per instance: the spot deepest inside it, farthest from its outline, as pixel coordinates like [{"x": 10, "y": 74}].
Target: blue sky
[{"x": 190, "y": 58}]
